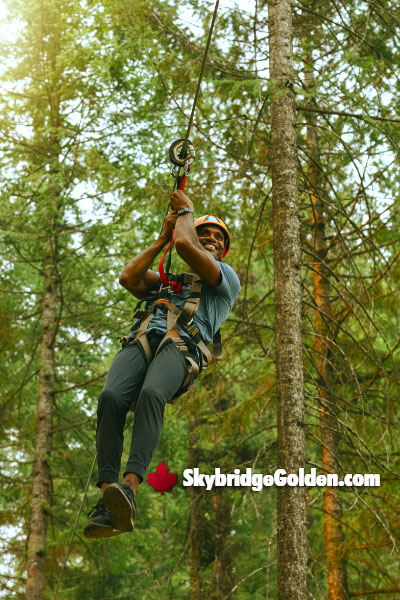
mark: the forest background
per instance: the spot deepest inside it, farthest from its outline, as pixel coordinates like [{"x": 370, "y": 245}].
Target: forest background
[{"x": 93, "y": 94}]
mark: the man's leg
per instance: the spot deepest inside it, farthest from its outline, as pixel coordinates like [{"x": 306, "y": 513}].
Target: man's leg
[
  {"x": 164, "y": 378},
  {"x": 121, "y": 388}
]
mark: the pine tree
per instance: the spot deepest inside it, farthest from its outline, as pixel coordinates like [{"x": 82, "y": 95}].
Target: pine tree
[
  {"x": 62, "y": 125},
  {"x": 292, "y": 549}
]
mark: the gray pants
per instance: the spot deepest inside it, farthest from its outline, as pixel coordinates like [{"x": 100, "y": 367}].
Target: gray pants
[{"x": 130, "y": 381}]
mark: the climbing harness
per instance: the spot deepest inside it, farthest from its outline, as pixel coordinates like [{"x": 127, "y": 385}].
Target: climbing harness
[{"x": 160, "y": 299}]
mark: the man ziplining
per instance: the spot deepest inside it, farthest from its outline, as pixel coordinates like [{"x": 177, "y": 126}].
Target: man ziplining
[{"x": 165, "y": 351}]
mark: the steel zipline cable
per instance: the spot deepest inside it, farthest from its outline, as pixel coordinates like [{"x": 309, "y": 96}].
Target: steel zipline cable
[
  {"x": 183, "y": 150},
  {"x": 183, "y": 146},
  {"x": 203, "y": 64}
]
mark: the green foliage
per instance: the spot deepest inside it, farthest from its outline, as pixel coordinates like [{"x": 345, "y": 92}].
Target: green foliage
[{"x": 95, "y": 92}]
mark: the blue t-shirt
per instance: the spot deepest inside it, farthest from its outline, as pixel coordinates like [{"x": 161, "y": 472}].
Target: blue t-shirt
[{"x": 216, "y": 302}]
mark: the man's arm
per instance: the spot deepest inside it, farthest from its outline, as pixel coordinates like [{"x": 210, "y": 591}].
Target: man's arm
[
  {"x": 187, "y": 243},
  {"x": 137, "y": 277}
]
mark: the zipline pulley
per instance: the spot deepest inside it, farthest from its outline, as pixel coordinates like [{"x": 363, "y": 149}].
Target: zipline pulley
[
  {"x": 178, "y": 156},
  {"x": 181, "y": 154}
]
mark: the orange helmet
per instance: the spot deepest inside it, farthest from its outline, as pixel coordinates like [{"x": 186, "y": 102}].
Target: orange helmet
[{"x": 218, "y": 223}]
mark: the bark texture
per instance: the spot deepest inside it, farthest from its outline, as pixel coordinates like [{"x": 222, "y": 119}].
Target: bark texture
[
  {"x": 41, "y": 467},
  {"x": 292, "y": 549},
  {"x": 41, "y": 488},
  {"x": 223, "y": 567}
]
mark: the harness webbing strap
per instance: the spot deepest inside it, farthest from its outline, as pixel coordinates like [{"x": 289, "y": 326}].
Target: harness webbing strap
[
  {"x": 184, "y": 316},
  {"x": 193, "y": 369},
  {"x": 172, "y": 328},
  {"x": 141, "y": 336},
  {"x": 190, "y": 308},
  {"x": 208, "y": 357},
  {"x": 217, "y": 346},
  {"x": 144, "y": 324},
  {"x": 144, "y": 342}
]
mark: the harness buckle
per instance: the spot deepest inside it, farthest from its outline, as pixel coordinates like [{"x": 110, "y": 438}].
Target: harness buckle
[{"x": 164, "y": 287}]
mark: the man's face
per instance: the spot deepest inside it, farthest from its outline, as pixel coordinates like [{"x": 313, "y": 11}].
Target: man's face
[{"x": 212, "y": 239}]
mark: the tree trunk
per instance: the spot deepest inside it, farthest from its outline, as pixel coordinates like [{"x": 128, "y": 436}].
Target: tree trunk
[
  {"x": 328, "y": 411},
  {"x": 41, "y": 467},
  {"x": 292, "y": 548},
  {"x": 222, "y": 576},
  {"x": 41, "y": 489},
  {"x": 337, "y": 576},
  {"x": 326, "y": 387}
]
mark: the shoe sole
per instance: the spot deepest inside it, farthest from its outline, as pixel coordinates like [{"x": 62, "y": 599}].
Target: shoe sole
[
  {"x": 116, "y": 502},
  {"x": 95, "y": 530}
]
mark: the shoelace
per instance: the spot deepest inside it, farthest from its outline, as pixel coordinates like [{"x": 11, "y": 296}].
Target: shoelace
[{"x": 99, "y": 507}]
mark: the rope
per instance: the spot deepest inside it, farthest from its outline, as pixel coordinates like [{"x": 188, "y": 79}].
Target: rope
[{"x": 74, "y": 529}]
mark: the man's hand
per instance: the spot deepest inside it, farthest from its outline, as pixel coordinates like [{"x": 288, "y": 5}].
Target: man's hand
[
  {"x": 168, "y": 225},
  {"x": 137, "y": 277},
  {"x": 179, "y": 200}
]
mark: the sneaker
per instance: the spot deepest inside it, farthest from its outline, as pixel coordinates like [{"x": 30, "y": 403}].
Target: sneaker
[
  {"x": 100, "y": 522},
  {"x": 120, "y": 501}
]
